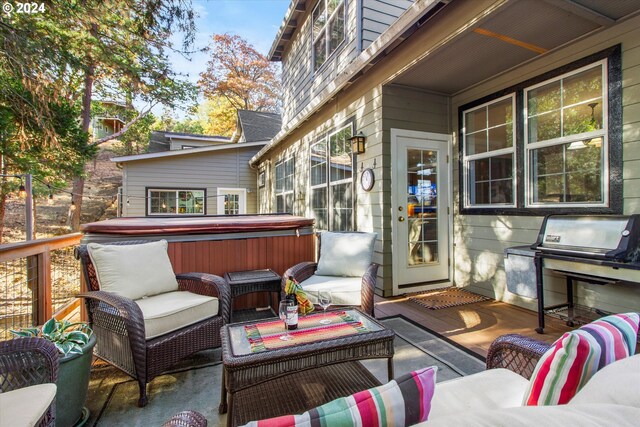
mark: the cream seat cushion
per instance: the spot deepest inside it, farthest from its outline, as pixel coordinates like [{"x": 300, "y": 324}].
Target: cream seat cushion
[
  {"x": 133, "y": 271},
  {"x": 618, "y": 382},
  {"x": 591, "y": 415},
  {"x": 345, "y": 254},
  {"x": 344, "y": 290},
  {"x": 171, "y": 311},
  {"x": 25, "y": 406},
  {"x": 490, "y": 389}
]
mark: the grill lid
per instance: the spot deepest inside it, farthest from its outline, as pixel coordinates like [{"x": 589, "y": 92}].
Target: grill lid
[{"x": 612, "y": 237}]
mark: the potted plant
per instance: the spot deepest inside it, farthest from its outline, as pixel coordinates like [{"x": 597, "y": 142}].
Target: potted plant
[{"x": 75, "y": 342}]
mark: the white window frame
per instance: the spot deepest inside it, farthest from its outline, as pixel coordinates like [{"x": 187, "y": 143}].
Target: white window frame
[
  {"x": 328, "y": 184},
  {"x": 468, "y": 158},
  {"x": 176, "y": 191},
  {"x": 285, "y": 192},
  {"x": 324, "y": 32},
  {"x": 603, "y": 133},
  {"x": 242, "y": 201}
]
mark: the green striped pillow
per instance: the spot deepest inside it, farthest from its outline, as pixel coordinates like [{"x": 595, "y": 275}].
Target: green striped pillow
[
  {"x": 577, "y": 355},
  {"x": 402, "y": 402}
]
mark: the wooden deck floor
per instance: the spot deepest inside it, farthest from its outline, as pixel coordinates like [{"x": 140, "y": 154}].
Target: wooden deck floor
[{"x": 475, "y": 325}]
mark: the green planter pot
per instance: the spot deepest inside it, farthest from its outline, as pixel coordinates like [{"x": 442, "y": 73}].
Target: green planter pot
[{"x": 73, "y": 384}]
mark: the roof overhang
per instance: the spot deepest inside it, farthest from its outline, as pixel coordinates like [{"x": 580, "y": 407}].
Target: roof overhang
[
  {"x": 172, "y": 136},
  {"x": 287, "y": 28},
  {"x": 187, "y": 151}
]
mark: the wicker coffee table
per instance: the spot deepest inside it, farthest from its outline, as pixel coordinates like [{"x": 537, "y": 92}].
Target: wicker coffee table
[{"x": 279, "y": 381}]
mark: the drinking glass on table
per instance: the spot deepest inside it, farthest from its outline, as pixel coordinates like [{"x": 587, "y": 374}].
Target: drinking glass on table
[
  {"x": 324, "y": 300},
  {"x": 282, "y": 311}
]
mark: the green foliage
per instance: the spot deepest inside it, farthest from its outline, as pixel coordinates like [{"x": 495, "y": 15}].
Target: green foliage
[
  {"x": 69, "y": 338},
  {"x": 136, "y": 139}
]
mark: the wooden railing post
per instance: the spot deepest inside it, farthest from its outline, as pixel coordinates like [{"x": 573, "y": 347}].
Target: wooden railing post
[{"x": 45, "y": 310}]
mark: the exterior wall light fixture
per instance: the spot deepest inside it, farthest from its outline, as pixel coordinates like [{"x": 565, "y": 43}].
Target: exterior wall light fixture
[{"x": 357, "y": 143}]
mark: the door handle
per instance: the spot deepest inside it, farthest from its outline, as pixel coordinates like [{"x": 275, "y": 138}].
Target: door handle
[{"x": 400, "y": 218}]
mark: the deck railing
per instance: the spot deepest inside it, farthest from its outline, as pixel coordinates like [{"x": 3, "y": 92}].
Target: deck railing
[{"x": 38, "y": 279}]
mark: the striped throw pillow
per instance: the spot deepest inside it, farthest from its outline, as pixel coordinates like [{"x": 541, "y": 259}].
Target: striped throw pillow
[
  {"x": 577, "y": 355},
  {"x": 401, "y": 402}
]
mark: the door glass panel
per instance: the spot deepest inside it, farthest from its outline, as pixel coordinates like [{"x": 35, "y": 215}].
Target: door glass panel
[{"x": 422, "y": 206}]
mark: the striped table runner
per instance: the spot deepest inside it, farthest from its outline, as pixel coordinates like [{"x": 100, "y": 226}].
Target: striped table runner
[{"x": 266, "y": 335}]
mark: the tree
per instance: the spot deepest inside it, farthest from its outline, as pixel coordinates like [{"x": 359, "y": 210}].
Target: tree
[
  {"x": 241, "y": 75},
  {"x": 120, "y": 44},
  {"x": 136, "y": 139},
  {"x": 218, "y": 116}
]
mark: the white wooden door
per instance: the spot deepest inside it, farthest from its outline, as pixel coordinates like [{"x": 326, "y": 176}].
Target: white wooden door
[{"x": 420, "y": 214}]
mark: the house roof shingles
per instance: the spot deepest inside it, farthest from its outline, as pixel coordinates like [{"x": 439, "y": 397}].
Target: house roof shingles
[{"x": 259, "y": 125}]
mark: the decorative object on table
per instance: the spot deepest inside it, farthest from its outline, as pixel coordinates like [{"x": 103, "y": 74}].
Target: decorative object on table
[
  {"x": 577, "y": 355},
  {"x": 324, "y": 300},
  {"x": 74, "y": 342},
  {"x": 445, "y": 297},
  {"x": 404, "y": 401},
  {"x": 151, "y": 318},
  {"x": 28, "y": 373},
  {"x": 283, "y": 312},
  {"x": 344, "y": 266},
  {"x": 267, "y": 335},
  {"x": 294, "y": 291}
]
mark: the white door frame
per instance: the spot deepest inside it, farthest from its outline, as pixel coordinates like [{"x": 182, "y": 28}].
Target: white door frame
[
  {"x": 242, "y": 203},
  {"x": 395, "y": 133}
]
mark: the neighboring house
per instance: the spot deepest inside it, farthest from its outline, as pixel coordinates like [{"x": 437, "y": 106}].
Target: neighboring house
[
  {"x": 192, "y": 175},
  {"x": 109, "y": 119},
  {"x": 480, "y": 118}
]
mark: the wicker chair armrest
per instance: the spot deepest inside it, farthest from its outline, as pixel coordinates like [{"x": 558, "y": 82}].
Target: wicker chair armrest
[
  {"x": 186, "y": 419},
  {"x": 27, "y": 361},
  {"x": 517, "y": 353},
  {"x": 125, "y": 308},
  {"x": 300, "y": 272},
  {"x": 211, "y": 285},
  {"x": 368, "y": 289}
]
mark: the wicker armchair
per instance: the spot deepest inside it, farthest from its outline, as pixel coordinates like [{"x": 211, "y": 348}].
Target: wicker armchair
[
  {"x": 26, "y": 362},
  {"x": 186, "y": 419},
  {"x": 517, "y": 353},
  {"x": 305, "y": 270},
  {"x": 120, "y": 328}
]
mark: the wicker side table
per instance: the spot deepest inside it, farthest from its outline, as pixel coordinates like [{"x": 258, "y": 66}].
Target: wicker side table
[{"x": 249, "y": 281}]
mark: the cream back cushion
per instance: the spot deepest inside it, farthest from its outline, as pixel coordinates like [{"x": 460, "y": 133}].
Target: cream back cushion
[
  {"x": 345, "y": 254},
  {"x": 133, "y": 271}
]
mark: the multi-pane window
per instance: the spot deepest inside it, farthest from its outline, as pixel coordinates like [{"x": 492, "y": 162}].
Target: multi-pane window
[
  {"x": 331, "y": 181},
  {"x": 231, "y": 204},
  {"x": 175, "y": 202},
  {"x": 284, "y": 185},
  {"x": 566, "y": 139},
  {"x": 328, "y": 29},
  {"x": 488, "y": 154}
]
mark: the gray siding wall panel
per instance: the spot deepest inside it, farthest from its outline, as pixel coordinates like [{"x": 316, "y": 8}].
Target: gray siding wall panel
[
  {"x": 378, "y": 15},
  {"x": 226, "y": 169}
]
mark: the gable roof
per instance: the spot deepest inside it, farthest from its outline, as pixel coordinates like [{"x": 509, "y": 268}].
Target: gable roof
[{"x": 257, "y": 125}]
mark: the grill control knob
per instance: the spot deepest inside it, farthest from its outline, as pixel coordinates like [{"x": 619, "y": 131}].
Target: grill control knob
[{"x": 625, "y": 233}]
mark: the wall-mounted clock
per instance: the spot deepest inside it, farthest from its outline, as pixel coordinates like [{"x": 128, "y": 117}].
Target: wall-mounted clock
[{"x": 367, "y": 179}]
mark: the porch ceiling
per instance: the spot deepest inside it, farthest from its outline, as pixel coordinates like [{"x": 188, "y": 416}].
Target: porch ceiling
[{"x": 518, "y": 32}]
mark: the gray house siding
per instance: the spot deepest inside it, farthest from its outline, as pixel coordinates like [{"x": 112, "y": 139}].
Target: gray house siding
[
  {"x": 378, "y": 15},
  {"x": 212, "y": 170}
]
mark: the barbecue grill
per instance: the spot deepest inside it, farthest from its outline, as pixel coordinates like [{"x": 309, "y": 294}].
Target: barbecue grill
[{"x": 593, "y": 249}]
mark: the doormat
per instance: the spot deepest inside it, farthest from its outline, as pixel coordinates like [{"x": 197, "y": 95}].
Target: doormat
[{"x": 445, "y": 298}]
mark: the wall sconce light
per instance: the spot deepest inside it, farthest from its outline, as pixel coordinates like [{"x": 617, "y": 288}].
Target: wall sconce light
[
  {"x": 22, "y": 192},
  {"x": 357, "y": 143}
]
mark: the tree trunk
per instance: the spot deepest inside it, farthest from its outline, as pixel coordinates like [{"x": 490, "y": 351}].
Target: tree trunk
[
  {"x": 3, "y": 203},
  {"x": 78, "y": 182}
]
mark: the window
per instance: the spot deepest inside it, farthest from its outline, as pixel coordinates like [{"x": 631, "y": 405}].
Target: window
[
  {"x": 548, "y": 145},
  {"x": 284, "y": 185},
  {"x": 488, "y": 152},
  {"x": 331, "y": 181},
  {"x": 328, "y": 29},
  {"x": 566, "y": 139},
  {"x": 232, "y": 201},
  {"x": 175, "y": 202}
]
